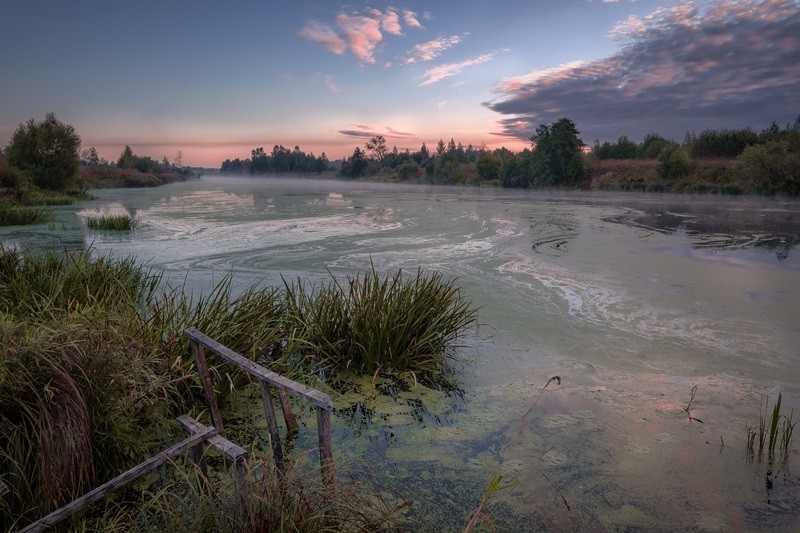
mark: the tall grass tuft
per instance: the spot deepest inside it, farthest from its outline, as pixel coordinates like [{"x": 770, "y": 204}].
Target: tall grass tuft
[
  {"x": 774, "y": 429},
  {"x": 23, "y": 216},
  {"x": 111, "y": 223},
  {"x": 379, "y": 322}
]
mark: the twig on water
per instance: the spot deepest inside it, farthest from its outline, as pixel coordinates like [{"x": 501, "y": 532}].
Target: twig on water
[
  {"x": 689, "y": 407},
  {"x": 554, "y": 378}
]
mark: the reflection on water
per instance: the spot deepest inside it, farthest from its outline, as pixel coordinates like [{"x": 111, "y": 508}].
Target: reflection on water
[{"x": 632, "y": 299}]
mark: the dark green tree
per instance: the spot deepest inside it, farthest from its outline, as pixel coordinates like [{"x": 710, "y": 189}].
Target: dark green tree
[
  {"x": 126, "y": 158},
  {"x": 356, "y": 165},
  {"x": 47, "y": 151},
  {"x": 558, "y": 154},
  {"x": 489, "y": 166}
]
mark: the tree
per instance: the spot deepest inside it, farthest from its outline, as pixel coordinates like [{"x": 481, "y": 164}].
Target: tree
[
  {"x": 179, "y": 159},
  {"x": 356, "y": 165},
  {"x": 47, "y": 151},
  {"x": 377, "y": 147},
  {"x": 126, "y": 158},
  {"x": 489, "y": 166},
  {"x": 558, "y": 154},
  {"x": 673, "y": 163}
]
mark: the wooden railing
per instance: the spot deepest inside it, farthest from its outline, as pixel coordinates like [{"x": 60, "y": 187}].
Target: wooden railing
[
  {"x": 267, "y": 378},
  {"x": 198, "y": 435}
]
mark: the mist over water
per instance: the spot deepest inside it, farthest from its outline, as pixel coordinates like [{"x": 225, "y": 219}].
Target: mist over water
[{"x": 631, "y": 299}]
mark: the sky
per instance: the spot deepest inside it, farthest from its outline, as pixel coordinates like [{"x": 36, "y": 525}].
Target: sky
[{"x": 215, "y": 80}]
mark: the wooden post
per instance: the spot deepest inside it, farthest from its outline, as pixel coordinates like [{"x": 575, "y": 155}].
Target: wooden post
[
  {"x": 325, "y": 445},
  {"x": 288, "y": 414},
  {"x": 272, "y": 425},
  {"x": 119, "y": 481},
  {"x": 208, "y": 386},
  {"x": 267, "y": 378}
]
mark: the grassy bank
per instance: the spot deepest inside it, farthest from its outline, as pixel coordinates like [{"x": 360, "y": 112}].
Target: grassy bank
[
  {"x": 100, "y": 177},
  {"x": 95, "y": 367}
]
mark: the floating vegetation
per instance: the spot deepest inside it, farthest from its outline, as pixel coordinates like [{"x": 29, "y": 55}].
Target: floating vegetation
[
  {"x": 111, "y": 223},
  {"x": 774, "y": 429}
]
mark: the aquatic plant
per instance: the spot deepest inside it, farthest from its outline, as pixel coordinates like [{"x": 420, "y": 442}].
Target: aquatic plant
[
  {"x": 770, "y": 426},
  {"x": 111, "y": 223},
  {"x": 480, "y": 518},
  {"x": 379, "y": 322},
  {"x": 11, "y": 215}
]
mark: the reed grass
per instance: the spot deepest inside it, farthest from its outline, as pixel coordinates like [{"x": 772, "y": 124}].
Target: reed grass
[
  {"x": 111, "y": 223},
  {"x": 11, "y": 215},
  {"x": 774, "y": 429},
  {"x": 374, "y": 323},
  {"x": 297, "y": 501},
  {"x": 41, "y": 197}
]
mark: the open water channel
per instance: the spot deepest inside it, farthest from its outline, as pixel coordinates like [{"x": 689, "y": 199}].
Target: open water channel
[{"x": 631, "y": 299}]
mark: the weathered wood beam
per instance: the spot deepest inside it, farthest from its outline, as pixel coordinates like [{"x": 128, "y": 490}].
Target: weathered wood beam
[
  {"x": 119, "y": 481},
  {"x": 318, "y": 398}
]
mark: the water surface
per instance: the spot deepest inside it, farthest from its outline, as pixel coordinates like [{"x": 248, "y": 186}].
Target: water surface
[{"x": 631, "y": 299}]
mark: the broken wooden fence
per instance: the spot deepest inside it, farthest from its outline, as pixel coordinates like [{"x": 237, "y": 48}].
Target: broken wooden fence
[
  {"x": 198, "y": 435},
  {"x": 267, "y": 378}
]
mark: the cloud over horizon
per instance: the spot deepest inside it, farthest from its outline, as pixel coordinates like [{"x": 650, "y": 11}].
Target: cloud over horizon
[
  {"x": 363, "y": 131},
  {"x": 732, "y": 64}
]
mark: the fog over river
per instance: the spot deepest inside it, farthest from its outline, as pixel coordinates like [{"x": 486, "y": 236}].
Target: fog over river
[{"x": 632, "y": 299}]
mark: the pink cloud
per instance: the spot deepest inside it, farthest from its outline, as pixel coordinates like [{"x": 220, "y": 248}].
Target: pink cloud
[
  {"x": 431, "y": 49},
  {"x": 410, "y": 18},
  {"x": 320, "y": 33},
  {"x": 436, "y": 74}
]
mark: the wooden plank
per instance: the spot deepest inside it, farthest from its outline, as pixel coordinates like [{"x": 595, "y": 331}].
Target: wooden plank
[
  {"x": 218, "y": 443},
  {"x": 119, "y": 481},
  {"x": 325, "y": 445},
  {"x": 272, "y": 425},
  {"x": 208, "y": 386},
  {"x": 319, "y": 398}
]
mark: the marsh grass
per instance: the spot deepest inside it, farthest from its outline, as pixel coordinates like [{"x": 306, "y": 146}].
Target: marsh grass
[
  {"x": 188, "y": 501},
  {"x": 14, "y": 215},
  {"x": 111, "y": 223},
  {"x": 94, "y": 365},
  {"x": 774, "y": 429},
  {"x": 373, "y": 322},
  {"x": 33, "y": 197}
]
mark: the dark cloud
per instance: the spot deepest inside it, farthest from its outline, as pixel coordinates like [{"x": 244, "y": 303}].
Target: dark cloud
[
  {"x": 356, "y": 133},
  {"x": 364, "y": 130},
  {"x": 733, "y": 65}
]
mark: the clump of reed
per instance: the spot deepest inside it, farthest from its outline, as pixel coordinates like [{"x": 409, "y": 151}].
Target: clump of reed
[
  {"x": 376, "y": 322},
  {"x": 111, "y": 223},
  {"x": 774, "y": 429},
  {"x": 15, "y": 215}
]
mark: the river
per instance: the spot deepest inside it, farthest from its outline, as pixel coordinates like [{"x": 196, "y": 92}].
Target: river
[{"x": 633, "y": 300}]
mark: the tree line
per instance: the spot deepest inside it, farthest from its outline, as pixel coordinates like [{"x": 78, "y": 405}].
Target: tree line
[
  {"x": 730, "y": 161},
  {"x": 281, "y": 159}
]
